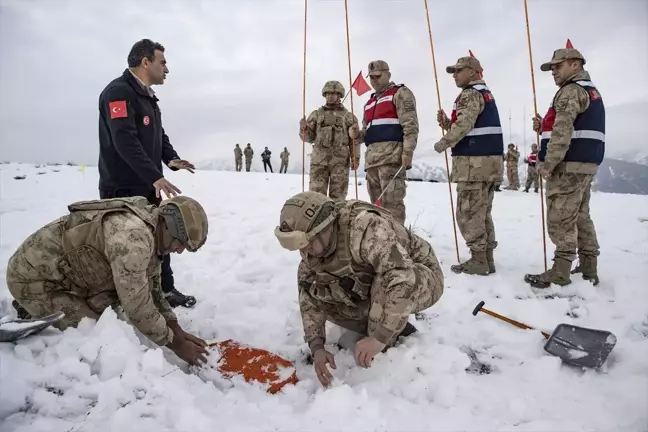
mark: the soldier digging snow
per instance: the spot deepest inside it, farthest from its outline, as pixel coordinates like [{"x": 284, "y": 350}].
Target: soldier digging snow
[
  {"x": 327, "y": 128},
  {"x": 106, "y": 253},
  {"x": 359, "y": 269},
  {"x": 475, "y": 137},
  {"x": 572, "y": 147}
]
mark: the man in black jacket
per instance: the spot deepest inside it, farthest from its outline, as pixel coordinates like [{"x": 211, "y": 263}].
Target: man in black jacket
[{"x": 133, "y": 144}]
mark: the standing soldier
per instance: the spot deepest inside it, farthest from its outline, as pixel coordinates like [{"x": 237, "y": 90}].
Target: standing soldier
[
  {"x": 284, "y": 155},
  {"x": 532, "y": 172},
  {"x": 248, "y": 152},
  {"x": 328, "y": 129},
  {"x": 265, "y": 157},
  {"x": 390, "y": 130},
  {"x": 133, "y": 144},
  {"x": 572, "y": 147},
  {"x": 238, "y": 157},
  {"x": 475, "y": 136},
  {"x": 512, "y": 157}
]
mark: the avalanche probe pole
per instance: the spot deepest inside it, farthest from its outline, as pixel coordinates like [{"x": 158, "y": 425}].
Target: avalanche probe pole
[{"x": 353, "y": 140}]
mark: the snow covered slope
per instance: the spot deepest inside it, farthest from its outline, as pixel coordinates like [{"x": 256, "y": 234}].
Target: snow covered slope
[{"x": 103, "y": 377}]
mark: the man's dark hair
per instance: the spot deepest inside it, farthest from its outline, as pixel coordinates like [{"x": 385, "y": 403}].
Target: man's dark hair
[{"x": 143, "y": 48}]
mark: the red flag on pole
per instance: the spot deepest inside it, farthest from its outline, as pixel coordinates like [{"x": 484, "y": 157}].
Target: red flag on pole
[
  {"x": 360, "y": 85},
  {"x": 481, "y": 75},
  {"x": 569, "y": 44}
]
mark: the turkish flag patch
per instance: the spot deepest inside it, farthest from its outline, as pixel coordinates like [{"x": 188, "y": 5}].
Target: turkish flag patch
[
  {"x": 118, "y": 109},
  {"x": 488, "y": 97},
  {"x": 594, "y": 94}
]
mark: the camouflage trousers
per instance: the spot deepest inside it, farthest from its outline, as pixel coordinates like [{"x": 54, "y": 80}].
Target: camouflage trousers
[
  {"x": 474, "y": 207},
  {"x": 331, "y": 180},
  {"x": 394, "y": 197},
  {"x": 284, "y": 167},
  {"x": 365, "y": 319},
  {"x": 532, "y": 177},
  {"x": 569, "y": 224},
  {"x": 239, "y": 164},
  {"x": 512, "y": 176},
  {"x": 248, "y": 162}
]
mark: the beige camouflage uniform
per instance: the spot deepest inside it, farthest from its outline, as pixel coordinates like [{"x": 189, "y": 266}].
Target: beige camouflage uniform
[
  {"x": 284, "y": 156},
  {"x": 327, "y": 128},
  {"x": 569, "y": 224},
  {"x": 532, "y": 172},
  {"x": 476, "y": 177},
  {"x": 512, "y": 158},
  {"x": 248, "y": 152},
  {"x": 102, "y": 254},
  {"x": 384, "y": 159},
  {"x": 238, "y": 157}
]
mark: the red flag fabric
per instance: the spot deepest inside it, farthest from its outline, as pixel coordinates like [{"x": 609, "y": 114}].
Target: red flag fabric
[
  {"x": 118, "y": 109},
  {"x": 360, "y": 85},
  {"x": 481, "y": 75},
  {"x": 569, "y": 44}
]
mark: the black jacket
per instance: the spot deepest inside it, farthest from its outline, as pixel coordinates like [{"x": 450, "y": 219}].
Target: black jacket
[{"x": 132, "y": 144}]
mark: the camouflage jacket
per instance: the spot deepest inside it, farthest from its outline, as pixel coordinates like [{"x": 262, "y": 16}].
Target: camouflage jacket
[
  {"x": 248, "y": 152},
  {"x": 391, "y": 152},
  {"x": 284, "y": 155},
  {"x": 238, "y": 153},
  {"x": 512, "y": 157},
  {"x": 328, "y": 130},
  {"x": 569, "y": 102},
  {"x": 107, "y": 256},
  {"x": 470, "y": 105},
  {"x": 368, "y": 243}
]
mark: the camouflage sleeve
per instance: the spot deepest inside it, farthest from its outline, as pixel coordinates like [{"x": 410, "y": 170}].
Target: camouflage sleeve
[
  {"x": 469, "y": 106},
  {"x": 374, "y": 243},
  {"x": 571, "y": 100},
  {"x": 158, "y": 296},
  {"x": 129, "y": 247},
  {"x": 309, "y": 134},
  {"x": 406, "y": 109},
  {"x": 313, "y": 319}
]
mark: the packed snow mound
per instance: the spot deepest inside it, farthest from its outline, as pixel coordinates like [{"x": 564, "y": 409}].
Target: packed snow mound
[{"x": 458, "y": 373}]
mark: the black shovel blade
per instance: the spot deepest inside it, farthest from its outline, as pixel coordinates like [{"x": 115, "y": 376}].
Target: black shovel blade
[{"x": 580, "y": 346}]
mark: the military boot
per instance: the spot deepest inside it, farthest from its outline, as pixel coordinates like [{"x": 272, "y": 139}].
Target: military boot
[
  {"x": 477, "y": 264},
  {"x": 558, "y": 274},
  {"x": 21, "y": 311},
  {"x": 490, "y": 260},
  {"x": 587, "y": 266}
]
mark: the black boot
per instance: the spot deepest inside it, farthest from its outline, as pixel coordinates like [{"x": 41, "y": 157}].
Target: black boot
[
  {"x": 22, "y": 313},
  {"x": 176, "y": 298}
]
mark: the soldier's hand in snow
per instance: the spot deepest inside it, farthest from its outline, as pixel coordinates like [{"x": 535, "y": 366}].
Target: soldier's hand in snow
[
  {"x": 164, "y": 185},
  {"x": 537, "y": 123},
  {"x": 182, "y": 164},
  {"x": 321, "y": 358},
  {"x": 188, "y": 347},
  {"x": 353, "y": 131},
  {"x": 366, "y": 350}
]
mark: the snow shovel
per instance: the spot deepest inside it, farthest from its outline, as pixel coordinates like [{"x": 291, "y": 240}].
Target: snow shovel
[
  {"x": 578, "y": 346},
  {"x": 254, "y": 364},
  {"x": 12, "y": 330}
]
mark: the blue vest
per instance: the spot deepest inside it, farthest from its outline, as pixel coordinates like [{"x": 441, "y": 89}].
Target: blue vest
[
  {"x": 485, "y": 139},
  {"x": 587, "y": 144}
]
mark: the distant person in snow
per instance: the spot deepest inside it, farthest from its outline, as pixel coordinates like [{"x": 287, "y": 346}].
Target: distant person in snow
[
  {"x": 106, "y": 253},
  {"x": 249, "y": 153},
  {"x": 284, "y": 156},
  {"x": 265, "y": 157},
  {"x": 572, "y": 147},
  {"x": 238, "y": 158},
  {"x": 512, "y": 158},
  {"x": 133, "y": 143},
  {"x": 477, "y": 148},
  {"x": 327, "y": 129},
  {"x": 360, "y": 269},
  {"x": 532, "y": 172}
]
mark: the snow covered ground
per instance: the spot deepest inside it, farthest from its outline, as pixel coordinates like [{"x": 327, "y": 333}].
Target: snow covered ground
[{"x": 104, "y": 377}]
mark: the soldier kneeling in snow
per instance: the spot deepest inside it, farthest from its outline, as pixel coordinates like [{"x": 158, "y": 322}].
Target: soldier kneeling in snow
[
  {"x": 108, "y": 253},
  {"x": 360, "y": 269}
]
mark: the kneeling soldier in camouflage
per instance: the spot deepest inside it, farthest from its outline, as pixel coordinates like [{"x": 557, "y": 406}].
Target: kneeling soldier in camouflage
[{"x": 360, "y": 269}]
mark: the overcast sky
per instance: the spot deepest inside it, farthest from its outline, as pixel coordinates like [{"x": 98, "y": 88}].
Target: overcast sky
[{"x": 236, "y": 66}]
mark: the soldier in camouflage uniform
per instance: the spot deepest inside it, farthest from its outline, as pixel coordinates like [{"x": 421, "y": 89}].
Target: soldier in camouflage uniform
[
  {"x": 359, "y": 269},
  {"x": 512, "y": 157},
  {"x": 475, "y": 137},
  {"x": 238, "y": 157},
  {"x": 390, "y": 130},
  {"x": 248, "y": 152},
  {"x": 328, "y": 129},
  {"x": 532, "y": 172},
  {"x": 284, "y": 156},
  {"x": 107, "y": 253},
  {"x": 572, "y": 147}
]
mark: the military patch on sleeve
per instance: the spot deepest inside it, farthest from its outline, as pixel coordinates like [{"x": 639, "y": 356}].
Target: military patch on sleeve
[
  {"x": 594, "y": 94},
  {"x": 409, "y": 105},
  {"x": 488, "y": 97}
]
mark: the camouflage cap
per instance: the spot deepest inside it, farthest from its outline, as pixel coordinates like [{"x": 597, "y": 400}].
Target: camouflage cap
[
  {"x": 465, "y": 62},
  {"x": 186, "y": 220},
  {"x": 333, "y": 87},
  {"x": 560, "y": 55},
  {"x": 377, "y": 66},
  {"x": 302, "y": 217}
]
